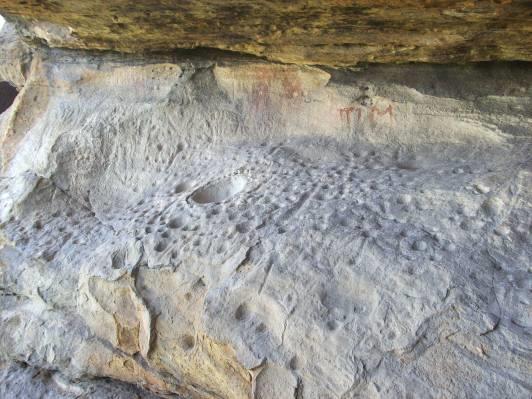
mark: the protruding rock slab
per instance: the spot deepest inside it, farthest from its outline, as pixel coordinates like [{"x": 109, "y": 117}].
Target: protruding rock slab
[{"x": 330, "y": 32}]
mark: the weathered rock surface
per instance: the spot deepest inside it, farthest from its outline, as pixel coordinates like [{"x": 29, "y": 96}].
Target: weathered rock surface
[
  {"x": 14, "y": 57},
  {"x": 236, "y": 229},
  {"x": 18, "y": 380},
  {"x": 326, "y": 32}
]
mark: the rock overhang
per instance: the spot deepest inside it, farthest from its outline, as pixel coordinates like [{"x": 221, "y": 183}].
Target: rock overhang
[{"x": 332, "y": 32}]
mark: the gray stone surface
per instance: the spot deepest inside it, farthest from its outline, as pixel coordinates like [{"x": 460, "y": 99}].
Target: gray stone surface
[{"x": 20, "y": 381}]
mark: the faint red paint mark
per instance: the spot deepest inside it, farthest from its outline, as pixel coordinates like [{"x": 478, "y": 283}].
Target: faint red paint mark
[
  {"x": 260, "y": 89},
  {"x": 292, "y": 86},
  {"x": 375, "y": 111},
  {"x": 345, "y": 113},
  {"x": 260, "y": 95},
  {"x": 272, "y": 82}
]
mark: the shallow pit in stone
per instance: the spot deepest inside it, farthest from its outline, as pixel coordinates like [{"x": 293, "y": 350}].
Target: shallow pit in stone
[
  {"x": 219, "y": 191},
  {"x": 176, "y": 223},
  {"x": 181, "y": 187}
]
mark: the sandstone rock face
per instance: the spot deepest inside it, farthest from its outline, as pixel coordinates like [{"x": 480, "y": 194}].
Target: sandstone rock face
[
  {"x": 14, "y": 57},
  {"x": 325, "y": 32},
  {"x": 232, "y": 229}
]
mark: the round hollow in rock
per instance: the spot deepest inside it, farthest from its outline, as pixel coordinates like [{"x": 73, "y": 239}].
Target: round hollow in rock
[
  {"x": 220, "y": 190},
  {"x": 187, "y": 342},
  {"x": 176, "y": 223},
  {"x": 181, "y": 187}
]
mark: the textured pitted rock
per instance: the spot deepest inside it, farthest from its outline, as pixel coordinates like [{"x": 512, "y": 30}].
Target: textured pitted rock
[
  {"x": 239, "y": 229},
  {"x": 325, "y": 32}
]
